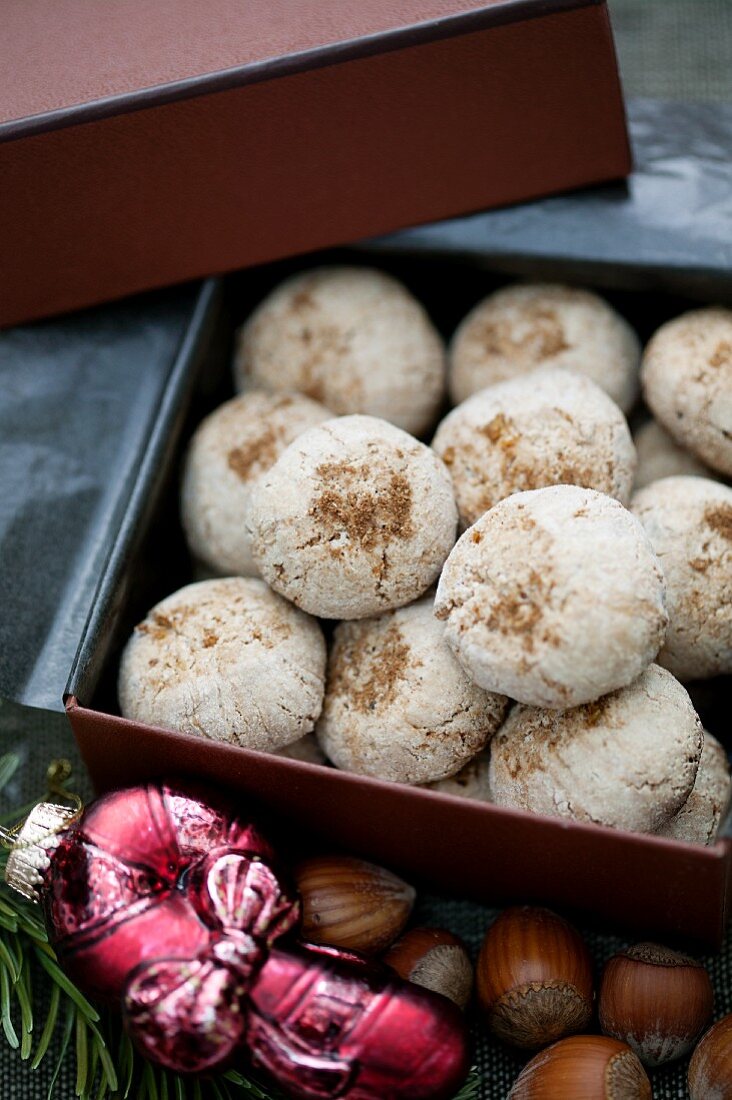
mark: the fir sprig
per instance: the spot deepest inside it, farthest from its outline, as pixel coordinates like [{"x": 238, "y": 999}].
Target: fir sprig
[{"x": 108, "y": 1067}]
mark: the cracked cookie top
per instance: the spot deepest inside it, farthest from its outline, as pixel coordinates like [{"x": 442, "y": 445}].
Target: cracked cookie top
[
  {"x": 689, "y": 523},
  {"x": 552, "y": 427},
  {"x": 355, "y": 517},
  {"x": 229, "y": 660},
  {"x": 398, "y": 706},
  {"x": 687, "y": 383},
  {"x": 699, "y": 818},
  {"x": 628, "y": 760},
  {"x": 230, "y": 449},
  {"x": 351, "y": 337},
  {"x": 522, "y": 327},
  {"x": 554, "y": 597}
]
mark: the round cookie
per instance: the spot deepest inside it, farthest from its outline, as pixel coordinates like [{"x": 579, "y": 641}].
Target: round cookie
[
  {"x": 397, "y": 705},
  {"x": 355, "y": 517},
  {"x": 230, "y": 449},
  {"x": 472, "y": 781},
  {"x": 228, "y": 660},
  {"x": 551, "y": 427},
  {"x": 689, "y": 523},
  {"x": 554, "y": 597},
  {"x": 659, "y": 455},
  {"x": 687, "y": 383},
  {"x": 628, "y": 760},
  {"x": 699, "y": 818},
  {"x": 351, "y": 337},
  {"x": 526, "y": 326}
]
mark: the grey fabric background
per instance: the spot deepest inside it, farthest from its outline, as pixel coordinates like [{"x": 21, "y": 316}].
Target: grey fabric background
[{"x": 669, "y": 49}]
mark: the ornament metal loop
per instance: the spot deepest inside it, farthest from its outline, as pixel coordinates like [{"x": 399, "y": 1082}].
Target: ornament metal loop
[{"x": 56, "y": 775}]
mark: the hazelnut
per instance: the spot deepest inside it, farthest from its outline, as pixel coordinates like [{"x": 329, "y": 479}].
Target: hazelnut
[
  {"x": 350, "y": 903},
  {"x": 585, "y": 1067},
  {"x": 435, "y": 959},
  {"x": 710, "y": 1069},
  {"x": 656, "y": 1000},
  {"x": 534, "y": 978}
]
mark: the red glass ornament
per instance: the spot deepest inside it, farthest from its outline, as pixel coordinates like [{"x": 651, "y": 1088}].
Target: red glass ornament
[
  {"x": 124, "y": 885},
  {"x": 164, "y": 901},
  {"x": 325, "y": 1028}
]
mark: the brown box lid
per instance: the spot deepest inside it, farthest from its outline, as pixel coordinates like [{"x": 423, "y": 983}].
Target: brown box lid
[{"x": 144, "y": 144}]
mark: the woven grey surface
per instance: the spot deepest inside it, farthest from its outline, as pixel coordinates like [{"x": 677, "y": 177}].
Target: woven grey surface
[{"x": 675, "y": 49}]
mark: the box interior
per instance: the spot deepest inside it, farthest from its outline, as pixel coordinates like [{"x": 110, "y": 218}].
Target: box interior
[
  {"x": 680, "y": 889},
  {"x": 448, "y": 289}
]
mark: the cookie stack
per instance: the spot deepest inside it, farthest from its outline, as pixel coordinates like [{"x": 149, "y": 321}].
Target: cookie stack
[{"x": 545, "y": 672}]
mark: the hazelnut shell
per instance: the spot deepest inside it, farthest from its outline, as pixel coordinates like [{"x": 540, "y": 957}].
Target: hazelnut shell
[
  {"x": 436, "y": 959},
  {"x": 534, "y": 978},
  {"x": 583, "y": 1067},
  {"x": 350, "y": 903},
  {"x": 710, "y": 1068},
  {"x": 655, "y": 1000}
]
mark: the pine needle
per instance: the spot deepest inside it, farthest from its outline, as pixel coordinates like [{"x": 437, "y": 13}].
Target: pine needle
[
  {"x": 48, "y": 1028},
  {"x": 7, "y": 1022},
  {"x": 9, "y": 960},
  {"x": 65, "y": 1040},
  {"x": 93, "y": 1067},
  {"x": 54, "y": 971},
  {"x": 127, "y": 1064},
  {"x": 9, "y": 764},
  {"x": 109, "y": 1074},
  {"x": 23, "y": 993},
  {"x": 472, "y": 1087},
  {"x": 148, "y": 1077},
  {"x": 82, "y": 1055}
]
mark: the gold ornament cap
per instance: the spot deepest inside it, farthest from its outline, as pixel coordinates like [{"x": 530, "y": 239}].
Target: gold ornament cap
[{"x": 29, "y": 854}]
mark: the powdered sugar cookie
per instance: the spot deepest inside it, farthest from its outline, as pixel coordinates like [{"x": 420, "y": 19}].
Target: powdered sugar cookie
[
  {"x": 628, "y": 760},
  {"x": 554, "y": 597},
  {"x": 398, "y": 705},
  {"x": 355, "y": 517},
  {"x": 526, "y": 326},
  {"x": 229, "y": 660},
  {"x": 351, "y": 337}
]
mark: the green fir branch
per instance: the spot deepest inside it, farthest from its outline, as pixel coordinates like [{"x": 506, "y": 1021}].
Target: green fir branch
[
  {"x": 26, "y": 958},
  {"x": 471, "y": 1090}
]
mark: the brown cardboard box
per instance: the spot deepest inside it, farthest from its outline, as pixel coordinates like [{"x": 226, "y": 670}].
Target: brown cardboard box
[
  {"x": 145, "y": 144},
  {"x": 657, "y": 887}
]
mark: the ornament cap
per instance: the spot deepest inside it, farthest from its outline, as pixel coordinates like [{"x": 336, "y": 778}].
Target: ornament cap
[{"x": 29, "y": 855}]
